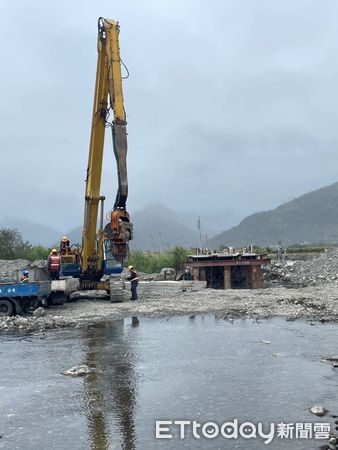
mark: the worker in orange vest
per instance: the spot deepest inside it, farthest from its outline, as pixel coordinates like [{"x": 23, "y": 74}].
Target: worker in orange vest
[{"x": 53, "y": 265}]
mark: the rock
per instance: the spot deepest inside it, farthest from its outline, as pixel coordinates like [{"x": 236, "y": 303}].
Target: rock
[
  {"x": 21, "y": 321},
  {"x": 168, "y": 273},
  {"x": 40, "y": 263},
  {"x": 319, "y": 410},
  {"x": 78, "y": 371},
  {"x": 39, "y": 312},
  {"x": 290, "y": 263},
  {"x": 89, "y": 294},
  {"x": 158, "y": 277}
]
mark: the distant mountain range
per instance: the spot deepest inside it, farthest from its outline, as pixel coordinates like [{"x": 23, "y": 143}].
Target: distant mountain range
[
  {"x": 35, "y": 233},
  {"x": 311, "y": 218},
  {"x": 155, "y": 227}
]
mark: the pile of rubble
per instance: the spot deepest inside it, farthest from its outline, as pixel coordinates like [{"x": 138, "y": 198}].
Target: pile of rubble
[
  {"x": 34, "y": 322},
  {"x": 9, "y": 268},
  {"x": 166, "y": 274},
  {"x": 323, "y": 269}
]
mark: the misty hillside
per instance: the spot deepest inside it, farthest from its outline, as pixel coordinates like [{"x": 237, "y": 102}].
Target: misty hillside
[
  {"x": 211, "y": 222},
  {"x": 35, "y": 233},
  {"x": 155, "y": 226},
  {"x": 311, "y": 218}
]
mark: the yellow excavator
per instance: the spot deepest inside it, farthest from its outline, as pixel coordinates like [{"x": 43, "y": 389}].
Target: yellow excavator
[{"x": 104, "y": 247}]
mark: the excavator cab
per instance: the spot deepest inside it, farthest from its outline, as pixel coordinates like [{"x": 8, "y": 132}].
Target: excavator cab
[
  {"x": 69, "y": 258},
  {"x": 110, "y": 265}
]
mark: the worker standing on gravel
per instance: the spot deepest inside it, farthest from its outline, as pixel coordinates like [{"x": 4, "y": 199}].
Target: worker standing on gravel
[
  {"x": 133, "y": 278},
  {"x": 53, "y": 265},
  {"x": 187, "y": 275}
]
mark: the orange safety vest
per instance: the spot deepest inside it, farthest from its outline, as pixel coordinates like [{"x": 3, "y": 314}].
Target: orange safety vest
[{"x": 54, "y": 263}]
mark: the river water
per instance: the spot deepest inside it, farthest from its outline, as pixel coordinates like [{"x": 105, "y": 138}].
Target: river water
[{"x": 189, "y": 368}]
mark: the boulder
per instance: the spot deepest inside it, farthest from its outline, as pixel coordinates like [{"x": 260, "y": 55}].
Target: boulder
[
  {"x": 78, "y": 371},
  {"x": 20, "y": 321},
  {"x": 39, "y": 312},
  {"x": 89, "y": 294},
  {"x": 318, "y": 410},
  {"x": 168, "y": 273}
]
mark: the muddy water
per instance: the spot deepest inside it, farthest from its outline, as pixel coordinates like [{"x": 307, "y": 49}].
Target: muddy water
[{"x": 197, "y": 368}]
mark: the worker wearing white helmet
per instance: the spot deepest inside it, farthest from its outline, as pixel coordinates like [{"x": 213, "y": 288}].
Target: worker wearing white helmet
[{"x": 64, "y": 245}]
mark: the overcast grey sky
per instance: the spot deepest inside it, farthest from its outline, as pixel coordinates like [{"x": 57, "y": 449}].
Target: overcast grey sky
[{"x": 230, "y": 103}]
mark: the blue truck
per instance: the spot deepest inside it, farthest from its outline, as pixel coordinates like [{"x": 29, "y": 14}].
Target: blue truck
[{"x": 17, "y": 298}]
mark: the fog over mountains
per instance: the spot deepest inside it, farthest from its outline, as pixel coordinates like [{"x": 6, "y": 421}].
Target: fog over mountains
[
  {"x": 156, "y": 227},
  {"x": 310, "y": 218}
]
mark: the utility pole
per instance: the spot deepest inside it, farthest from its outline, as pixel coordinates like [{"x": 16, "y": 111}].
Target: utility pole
[
  {"x": 152, "y": 242},
  {"x": 199, "y": 233},
  {"x": 160, "y": 238}
]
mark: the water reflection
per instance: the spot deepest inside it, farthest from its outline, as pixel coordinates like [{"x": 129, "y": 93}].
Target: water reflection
[
  {"x": 135, "y": 322},
  {"x": 208, "y": 371},
  {"x": 111, "y": 389}
]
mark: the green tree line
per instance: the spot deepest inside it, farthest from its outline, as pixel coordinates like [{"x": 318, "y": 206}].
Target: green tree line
[
  {"x": 12, "y": 246},
  {"x": 154, "y": 262}
]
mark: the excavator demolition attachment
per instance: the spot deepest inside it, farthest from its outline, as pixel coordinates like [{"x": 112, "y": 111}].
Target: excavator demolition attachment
[{"x": 121, "y": 227}]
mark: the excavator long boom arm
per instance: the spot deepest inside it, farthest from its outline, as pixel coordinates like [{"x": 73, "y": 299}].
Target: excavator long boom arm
[{"x": 108, "y": 98}]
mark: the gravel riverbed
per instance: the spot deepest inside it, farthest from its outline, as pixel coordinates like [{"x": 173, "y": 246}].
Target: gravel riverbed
[
  {"x": 311, "y": 294},
  {"x": 314, "y": 303}
]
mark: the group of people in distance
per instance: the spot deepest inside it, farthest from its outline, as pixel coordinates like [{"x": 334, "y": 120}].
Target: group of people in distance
[{"x": 54, "y": 265}]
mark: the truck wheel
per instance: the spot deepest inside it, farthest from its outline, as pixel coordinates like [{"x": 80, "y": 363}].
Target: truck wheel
[{"x": 6, "y": 308}]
